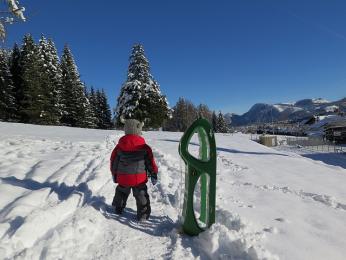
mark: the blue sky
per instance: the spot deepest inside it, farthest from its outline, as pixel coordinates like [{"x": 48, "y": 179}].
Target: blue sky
[{"x": 227, "y": 54}]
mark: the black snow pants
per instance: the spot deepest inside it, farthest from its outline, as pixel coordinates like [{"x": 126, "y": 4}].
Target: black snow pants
[{"x": 142, "y": 200}]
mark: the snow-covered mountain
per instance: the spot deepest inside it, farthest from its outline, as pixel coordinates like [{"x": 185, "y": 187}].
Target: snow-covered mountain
[
  {"x": 228, "y": 117},
  {"x": 263, "y": 113}
]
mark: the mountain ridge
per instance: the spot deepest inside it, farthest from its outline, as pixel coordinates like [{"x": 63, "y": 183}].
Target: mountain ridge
[{"x": 265, "y": 113}]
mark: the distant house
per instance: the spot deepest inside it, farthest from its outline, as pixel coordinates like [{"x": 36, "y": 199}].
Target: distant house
[
  {"x": 321, "y": 122},
  {"x": 336, "y": 132}
]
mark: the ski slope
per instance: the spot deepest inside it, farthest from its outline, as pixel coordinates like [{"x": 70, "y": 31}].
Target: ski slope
[{"x": 56, "y": 191}]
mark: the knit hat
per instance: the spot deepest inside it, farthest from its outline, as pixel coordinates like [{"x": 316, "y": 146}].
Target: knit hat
[{"x": 133, "y": 127}]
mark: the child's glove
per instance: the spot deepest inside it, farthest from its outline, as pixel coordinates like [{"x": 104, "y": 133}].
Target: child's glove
[
  {"x": 114, "y": 177},
  {"x": 153, "y": 179}
]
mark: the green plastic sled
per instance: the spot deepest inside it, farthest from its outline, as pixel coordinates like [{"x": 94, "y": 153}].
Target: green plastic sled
[{"x": 203, "y": 168}]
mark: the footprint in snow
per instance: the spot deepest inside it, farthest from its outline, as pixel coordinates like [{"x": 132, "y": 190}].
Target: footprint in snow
[
  {"x": 280, "y": 219},
  {"x": 272, "y": 230}
]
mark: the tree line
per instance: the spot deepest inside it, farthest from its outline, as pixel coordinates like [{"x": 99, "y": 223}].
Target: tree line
[
  {"x": 185, "y": 113},
  {"x": 37, "y": 87}
]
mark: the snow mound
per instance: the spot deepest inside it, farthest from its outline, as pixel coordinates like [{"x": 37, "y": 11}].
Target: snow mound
[{"x": 230, "y": 238}]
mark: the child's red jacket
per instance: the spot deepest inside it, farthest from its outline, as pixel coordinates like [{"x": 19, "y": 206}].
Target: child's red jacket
[{"x": 131, "y": 160}]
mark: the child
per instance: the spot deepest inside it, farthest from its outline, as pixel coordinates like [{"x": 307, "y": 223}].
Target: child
[{"x": 132, "y": 161}]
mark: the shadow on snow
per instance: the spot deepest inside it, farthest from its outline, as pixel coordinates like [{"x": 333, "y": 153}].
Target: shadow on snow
[
  {"x": 156, "y": 225},
  {"x": 328, "y": 158},
  {"x": 227, "y": 150},
  {"x": 159, "y": 226}
]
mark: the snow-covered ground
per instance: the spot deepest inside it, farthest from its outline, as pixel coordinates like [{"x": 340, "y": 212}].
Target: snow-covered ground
[{"x": 56, "y": 191}]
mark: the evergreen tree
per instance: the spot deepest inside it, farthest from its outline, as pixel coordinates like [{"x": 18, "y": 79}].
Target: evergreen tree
[
  {"x": 140, "y": 95},
  {"x": 92, "y": 98},
  {"x": 180, "y": 115},
  {"x": 76, "y": 108},
  {"x": 90, "y": 116},
  {"x": 32, "y": 101},
  {"x": 190, "y": 114},
  {"x": 101, "y": 109},
  {"x": 98, "y": 109},
  {"x": 94, "y": 105},
  {"x": 55, "y": 76},
  {"x": 221, "y": 125},
  {"x": 7, "y": 100},
  {"x": 204, "y": 111},
  {"x": 107, "y": 113},
  {"x": 184, "y": 113},
  {"x": 214, "y": 122},
  {"x": 50, "y": 80},
  {"x": 104, "y": 112},
  {"x": 16, "y": 72},
  {"x": 157, "y": 106}
]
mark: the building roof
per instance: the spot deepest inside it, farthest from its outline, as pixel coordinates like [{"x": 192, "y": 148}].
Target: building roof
[{"x": 337, "y": 124}]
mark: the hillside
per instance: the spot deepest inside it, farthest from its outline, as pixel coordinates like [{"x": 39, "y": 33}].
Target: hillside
[
  {"x": 264, "y": 113},
  {"x": 56, "y": 191}
]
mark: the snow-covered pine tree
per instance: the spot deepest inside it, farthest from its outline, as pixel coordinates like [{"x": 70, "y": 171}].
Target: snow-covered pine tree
[
  {"x": 75, "y": 105},
  {"x": 31, "y": 103},
  {"x": 94, "y": 105},
  {"x": 55, "y": 76},
  {"x": 90, "y": 116},
  {"x": 214, "y": 122},
  {"x": 156, "y": 104},
  {"x": 140, "y": 95},
  {"x": 105, "y": 110},
  {"x": 221, "y": 124},
  {"x": 7, "y": 100},
  {"x": 16, "y": 72},
  {"x": 92, "y": 97},
  {"x": 50, "y": 80},
  {"x": 102, "y": 109},
  {"x": 97, "y": 108}
]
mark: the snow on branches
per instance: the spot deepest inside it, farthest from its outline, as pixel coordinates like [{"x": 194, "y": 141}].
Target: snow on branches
[
  {"x": 15, "y": 11},
  {"x": 140, "y": 96}
]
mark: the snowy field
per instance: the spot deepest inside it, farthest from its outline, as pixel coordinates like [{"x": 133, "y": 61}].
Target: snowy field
[{"x": 56, "y": 191}]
